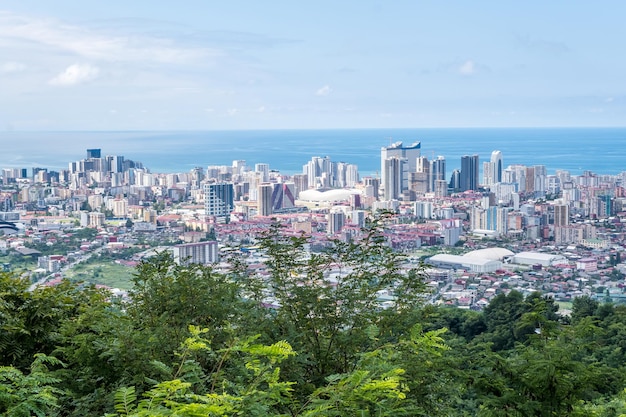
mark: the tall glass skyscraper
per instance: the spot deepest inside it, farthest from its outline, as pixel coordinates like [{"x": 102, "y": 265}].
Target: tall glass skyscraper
[{"x": 469, "y": 172}]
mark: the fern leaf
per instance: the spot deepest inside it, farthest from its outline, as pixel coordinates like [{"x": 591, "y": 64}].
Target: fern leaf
[{"x": 124, "y": 399}]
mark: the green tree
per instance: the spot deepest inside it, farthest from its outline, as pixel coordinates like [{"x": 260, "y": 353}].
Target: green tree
[
  {"x": 500, "y": 317},
  {"x": 326, "y": 301},
  {"x": 30, "y": 320},
  {"x": 34, "y": 393},
  {"x": 254, "y": 391},
  {"x": 583, "y": 307},
  {"x": 167, "y": 297}
]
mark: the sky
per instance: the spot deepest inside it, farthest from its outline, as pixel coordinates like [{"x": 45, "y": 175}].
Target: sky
[{"x": 213, "y": 65}]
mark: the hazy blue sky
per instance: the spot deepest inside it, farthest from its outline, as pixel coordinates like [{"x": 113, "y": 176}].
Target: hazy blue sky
[{"x": 199, "y": 64}]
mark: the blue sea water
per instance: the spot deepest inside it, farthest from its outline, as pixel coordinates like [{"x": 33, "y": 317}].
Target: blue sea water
[{"x": 601, "y": 150}]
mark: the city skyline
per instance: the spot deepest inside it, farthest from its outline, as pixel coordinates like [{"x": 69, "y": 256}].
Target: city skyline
[
  {"x": 352, "y": 149},
  {"x": 72, "y": 65}
]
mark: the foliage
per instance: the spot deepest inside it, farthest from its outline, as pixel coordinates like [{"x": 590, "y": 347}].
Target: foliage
[
  {"x": 254, "y": 392},
  {"x": 29, "y": 320},
  {"x": 194, "y": 341},
  {"x": 29, "y": 394},
  {"x": 328, "y": 300},
  {"x": 167, "y": 297}
]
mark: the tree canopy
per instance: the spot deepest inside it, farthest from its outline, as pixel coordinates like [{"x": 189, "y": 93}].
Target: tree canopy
[{"x": 345, "y": 331}]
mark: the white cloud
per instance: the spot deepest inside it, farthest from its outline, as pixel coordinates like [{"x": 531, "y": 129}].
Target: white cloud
[
  {"x": 541, "y": 45},
  {"x": 467, "y": 68},
  {"x": 609, "y": 100},
  {"x": 232, "y": 112},
  {"x": 76, "y": 74},
  {"x": 324, "y": 91},
  {"x": 9, "y": 67},
  {"x": 92, "y": 44},
  {"x": 261, "y": 109}
]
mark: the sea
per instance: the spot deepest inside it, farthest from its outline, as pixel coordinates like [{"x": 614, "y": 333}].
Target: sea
[{"x": 600, "y": 150}]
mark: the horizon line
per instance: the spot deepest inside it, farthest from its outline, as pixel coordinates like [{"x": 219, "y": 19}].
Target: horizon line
[{"x": 308, "y": 128}]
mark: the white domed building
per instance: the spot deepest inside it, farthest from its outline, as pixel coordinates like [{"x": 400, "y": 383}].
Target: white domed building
[
  {"x": 480, "y": 261},
  {"x": 329, "y": 196}
]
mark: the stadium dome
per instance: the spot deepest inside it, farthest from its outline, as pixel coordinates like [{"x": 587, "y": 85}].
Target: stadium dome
[
  {"x": 494, "y": 254},
  {"x": 330, "y": 195}
]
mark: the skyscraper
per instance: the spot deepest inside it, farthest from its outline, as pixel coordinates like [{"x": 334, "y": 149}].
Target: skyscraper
[
  {"x": 561, "y": 215},
  {"x": 94, "y": 153},
  {"x": 274, "y": 198},
  {"x": 218, "y": 199},
  {"x": 263, "y": 170},
  {"x": 469, "y": 172},
  {"x": 496, "y": 167},
  {"x": 411, "y": 152},
  {"x": 394, "y": 171},
  {"x": 319, "y": 171},
  {"x": 346, "y": 175},
  {"x": 397, "y": 150},
  {"x": 301, "y": 182},
  {"x": 283, "y": 196},
  {"x": 455, "y": 180},
  {"x": 437, "y": 171},
  {"x": 264, "y": 202}
]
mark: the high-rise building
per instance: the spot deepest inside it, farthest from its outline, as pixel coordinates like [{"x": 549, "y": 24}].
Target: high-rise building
[
  {"x": 529, "y": 180},
  {"x": 319, "y": 171},
  {"x": 346, "y": 175},
  {"x": 496, "y": 167},
  {"x": 422, "y": 165},
  {"x": 94, "y": 153},
  {"x": 492, "y": 170},
  {"x": 201, "y": 253},
  {"x": 397, "y": 150},
  {"x": 469, "y": 172},
  {"x": 394, "y": 171},
  {"x": 301, "y": 182},
  {"x": 541, "y": 175},
  {"x": 504, "y": 192},
  {"x": 264, "y": 171},
  {"x": 440, "y": 188},
  {"x": 455, "y": 180},
  {"x": 283, "y": 196},
  {"x": 437, "y": 171},
  {"x": 218, "y": 199},
  {"x": 374, "y": 183},
  {"x": 358, "y": 217},
  {"x": 336, "y": 221},
  {"x": 561, "y": 215},
  {"x": 419, "y": 181},
  {"x": 264, "y": 201},
  {"x": 423, "y": 209},
  {"x": 274, "y": 198},
  {"x": 411, "y": 153},
  {"x": 239, "y": 166}
]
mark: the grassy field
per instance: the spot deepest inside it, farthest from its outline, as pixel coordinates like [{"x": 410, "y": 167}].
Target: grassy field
[
  {"x": 564, "y": 306},
  {"x": 106, "y": 273},
  {"x": 18, "y": 262}
]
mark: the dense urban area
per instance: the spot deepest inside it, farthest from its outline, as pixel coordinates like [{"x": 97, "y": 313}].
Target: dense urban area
[
  {"x": 238, "y": 290},
  {"x": 514, "y": 227}
]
